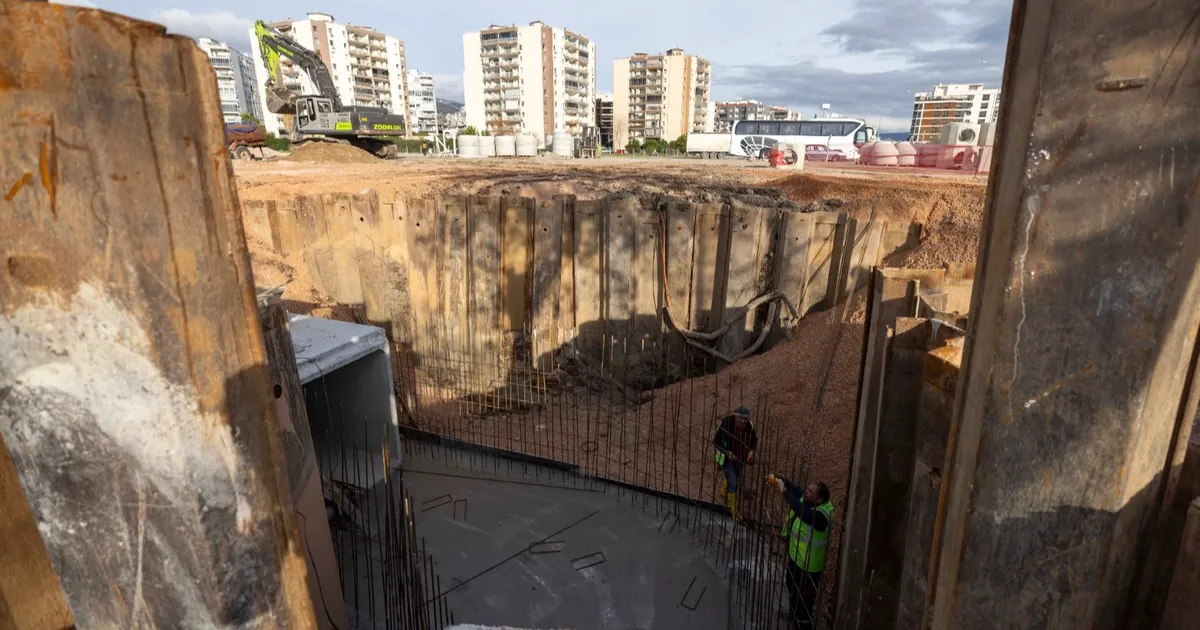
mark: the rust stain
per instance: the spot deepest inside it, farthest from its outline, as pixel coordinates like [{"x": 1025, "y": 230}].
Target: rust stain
[
  {"x": 1068, "y": 147},
  {"x": 16, "y": 187},
  {"x": 48, "y": 165}
]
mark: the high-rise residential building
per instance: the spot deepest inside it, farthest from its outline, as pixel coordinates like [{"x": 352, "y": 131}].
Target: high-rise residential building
[
  {"x": 422, "y": 103},
  {"x": 604, "y": 119},
  {"x": 236, "y": 82},
  {"x": 368, "y": 67},
  {"x": 947, "y": 103},
  {"x": 729, "y": 112},
  {"x": 661, "y": 96},
  {"x": 534, "y": 79}
]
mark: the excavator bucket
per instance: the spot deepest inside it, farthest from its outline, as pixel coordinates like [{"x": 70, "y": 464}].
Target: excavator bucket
[{"x": 280, "y": 100}]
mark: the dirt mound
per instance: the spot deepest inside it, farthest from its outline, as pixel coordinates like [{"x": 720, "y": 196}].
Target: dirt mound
[
  {"x": 330, "y": 153},
  {"x": 951, "y": 211}
]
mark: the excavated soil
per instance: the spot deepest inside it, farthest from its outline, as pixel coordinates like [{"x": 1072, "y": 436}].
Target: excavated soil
[
  {"x": 330, "y": 153},
  {"x": 809, "y": 439}
]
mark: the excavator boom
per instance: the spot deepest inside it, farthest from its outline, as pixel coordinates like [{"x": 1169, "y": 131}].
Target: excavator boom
[{"x": 272, "y": 46}]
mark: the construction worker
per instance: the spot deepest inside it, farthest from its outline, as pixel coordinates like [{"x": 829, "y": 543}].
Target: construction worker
[
  {"x": 735, "y": 440},
  {"x": 809, "y": 522}
]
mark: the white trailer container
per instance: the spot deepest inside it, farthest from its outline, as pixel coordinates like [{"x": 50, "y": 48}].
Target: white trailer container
[{"x": 708, "y": 145}]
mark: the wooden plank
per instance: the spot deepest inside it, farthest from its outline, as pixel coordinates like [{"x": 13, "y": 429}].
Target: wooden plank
[
  {"x": 1083, "y": 330},
  {"x": 368, "y": 245},
  {"x": 285, "y": 232},
  {"x": 646, "y": 272},
  {"x": 791, "y": 266},
  {"x": 589, "y": 319},
  {"x": 138, "y": 410},
  {"x": 394, "y": 282},
  {"x": 30, "y": 595},
  {"x": 256, "y": 221},
  {"x": 1182, "y": 606},
  {"x": 618, "y": 282},
  {"x": 454, "y": 279},
  {"x": 317, "y": 251},
  {"x": 339, "y": 220},
  {"x": 566, "y": 273},
  {"x": 516, "y": 258},
  {"x": 424, "y": 264},
  {"x": 707, "y": 304},
  {"x": 680, "y": 234},
  {"x": 864, "y": 255},
  {"x": 821, "y": 266},
  {"x": 484, "y": 253},
  {"x": 750, "y": 244},
  {"x": 547, "y": 268},
  {"x": 300, "y": 459}
]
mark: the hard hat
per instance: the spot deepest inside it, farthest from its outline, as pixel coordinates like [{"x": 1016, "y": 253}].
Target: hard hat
[{"x": 742, "y": 411}]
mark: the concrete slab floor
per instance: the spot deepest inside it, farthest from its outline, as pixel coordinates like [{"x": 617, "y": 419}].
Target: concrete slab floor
[{"x": 604, "y": 562}]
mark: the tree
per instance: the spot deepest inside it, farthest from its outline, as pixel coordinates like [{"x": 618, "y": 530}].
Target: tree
[
  {"x": 680, "y": 144},
  {"x": 250, "y": 118},
  {"x": 469, "y": 131},
  {"x": 634, "y": 145}
]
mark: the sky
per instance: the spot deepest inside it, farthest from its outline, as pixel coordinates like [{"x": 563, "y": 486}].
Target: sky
[{"x": 864, "y": 57}]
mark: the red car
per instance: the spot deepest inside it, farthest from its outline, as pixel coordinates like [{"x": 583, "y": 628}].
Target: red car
[{"x": 822, "y": 153}]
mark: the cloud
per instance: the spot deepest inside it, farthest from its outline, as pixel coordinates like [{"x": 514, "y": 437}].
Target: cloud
[
  {"x": 935, "y": 43},
  {"x": 87, "y": 4},
  {"x": 448, "y": 87},
  {"x": 219, "y": 25}
]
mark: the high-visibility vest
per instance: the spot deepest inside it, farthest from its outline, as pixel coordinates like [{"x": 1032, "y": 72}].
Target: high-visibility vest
[
  {"x": 806, "y": 546},
  {"x": 721, "y": 456}
]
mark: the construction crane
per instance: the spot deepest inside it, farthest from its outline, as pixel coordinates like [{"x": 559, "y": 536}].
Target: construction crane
[{"x": 321, "y": 116}]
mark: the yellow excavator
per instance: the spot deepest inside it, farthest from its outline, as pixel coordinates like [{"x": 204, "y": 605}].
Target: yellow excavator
[{"x": 321, "y": 116}]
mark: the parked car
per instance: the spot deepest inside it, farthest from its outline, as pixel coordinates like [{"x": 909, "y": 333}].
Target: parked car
[{"x": 822, "y": 153}]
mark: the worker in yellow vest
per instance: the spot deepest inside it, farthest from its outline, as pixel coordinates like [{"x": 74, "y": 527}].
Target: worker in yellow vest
[
  {"x": 809, "y": 523},
  {"x": 735, "y": 442}
]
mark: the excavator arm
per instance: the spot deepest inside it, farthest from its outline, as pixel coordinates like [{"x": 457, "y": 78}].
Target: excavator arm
[{"x": 273, "y": 45}]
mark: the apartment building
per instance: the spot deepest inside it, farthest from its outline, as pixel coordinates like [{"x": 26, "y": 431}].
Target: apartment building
[
  {"x": 236, "y": 82},
  {"x": 368, "y": 67},
  {"x": 953, "y": 102},
  {"x": 604, "y": 119},
  {"x": 422, "y": 103},
  {"x": 661, "y": 96},
  {"x": 729, "y": 112},
  {"x": 534, "y": 79},
  {"x": 778, "y": 112}
]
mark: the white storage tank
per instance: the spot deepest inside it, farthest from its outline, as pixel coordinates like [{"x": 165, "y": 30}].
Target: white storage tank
[
  {"x": 506, "y": 146},
  {"x": 884, "y": 154},
  {"x": 487, "y": 146},
  {"x": 865, "y": 152},
  {"x": 468, "y": 146},
  {"x": 927, "y": 154},
  {"x": 906, "y": 154},
  {"x": 526, "y": 145},
  {"x": 564, "y": 144}
]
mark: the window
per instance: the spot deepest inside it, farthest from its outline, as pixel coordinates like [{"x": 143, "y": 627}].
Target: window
[
  {"x": 768, "y": 129},
  {"x": 324, "y": 107},
  {"x": 810, "y": 129},
  {"x": 789, "y": 129},
  {"x": 747, "y": 128}
]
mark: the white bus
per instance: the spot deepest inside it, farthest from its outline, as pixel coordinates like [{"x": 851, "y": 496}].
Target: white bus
[{"x": 754, "y": 138}]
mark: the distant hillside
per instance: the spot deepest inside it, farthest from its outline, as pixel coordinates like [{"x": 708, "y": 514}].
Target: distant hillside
[{"x": 448, "y": 107}]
